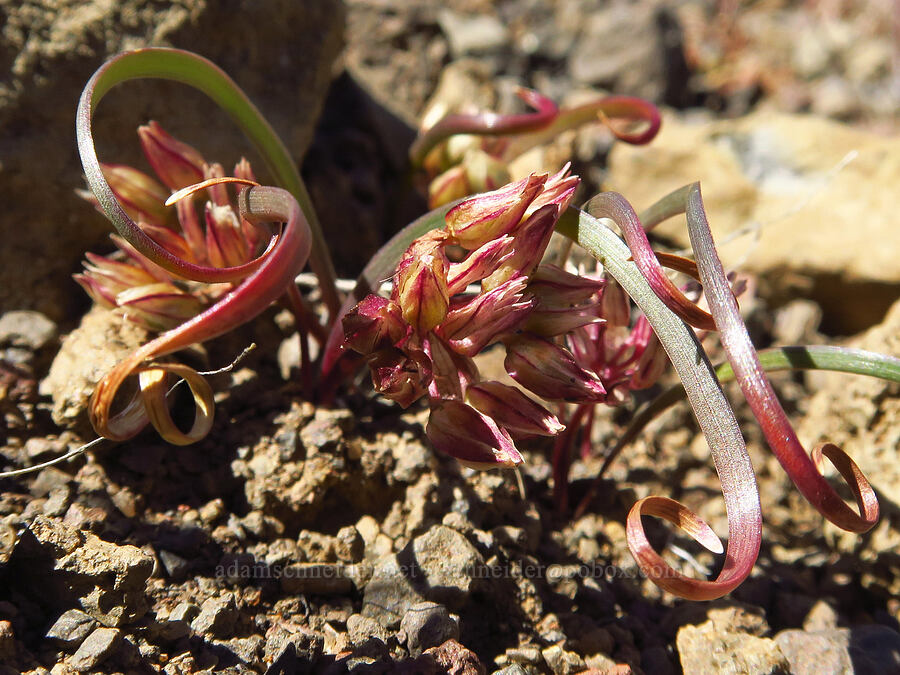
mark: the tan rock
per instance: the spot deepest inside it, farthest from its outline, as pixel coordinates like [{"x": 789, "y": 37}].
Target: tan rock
[{"x": 818, "y": 195}]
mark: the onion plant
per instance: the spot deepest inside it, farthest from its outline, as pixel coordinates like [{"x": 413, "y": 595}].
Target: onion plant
[{"x": 570, "y": 340}]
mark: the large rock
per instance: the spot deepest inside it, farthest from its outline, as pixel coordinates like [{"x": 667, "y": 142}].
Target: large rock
[
  {"x": 56, "y": 564},
  {"x": 861, "y": 649},
  {"x": 818, "y": 195},
  {"x": 279, "y": 51}
]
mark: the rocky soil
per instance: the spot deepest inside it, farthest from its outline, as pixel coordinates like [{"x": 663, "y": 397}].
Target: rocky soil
[{"x": 304, "y": 539}]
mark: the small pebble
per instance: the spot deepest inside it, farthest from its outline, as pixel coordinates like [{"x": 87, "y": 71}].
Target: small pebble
[
  {"x": 217, "y": 617},
  {"x": 95, "y": 648},
  {"x": 427, "y": 624},
  {"x": 71, "y": 628}
]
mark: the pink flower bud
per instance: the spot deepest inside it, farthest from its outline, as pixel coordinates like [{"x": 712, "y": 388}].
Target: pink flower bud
[
  {"x": 512, "y": 410},
  {"x": 481, "y": 321},
  {"x": 169, "y": 240},
  {"x": 399, "y": 376},
  {"x": 558, "y": 190},
  {"x": 158, "y": 307},
  {"x": 142, "y": 197},
  {"x": 489, "y": 215},
  {"x": 554, "y": 287},
  {"x": 448, "y": 187},
  {"x": 225, "y": 243},
  {"x": 375, "y": 323},
  {"x": 421, "y": 283},
  {"x": 478, "y": 264},
  {"x": 474, "y": 439},
  {"x": 615, "y": 305},
  {"x": 177, "y": 164},
  {"x": 550, "y": 371},
  {"x": 452, "y": 373},
  {"x": 559, "y": 321},
  {"x": 484, "y": 172},
  {"x": 115, "y": 276},
  {"x": 529, "y": 243},
  {"x": 650, "y": 366}
]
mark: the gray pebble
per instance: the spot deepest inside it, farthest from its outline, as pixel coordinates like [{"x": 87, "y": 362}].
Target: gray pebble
[
  {"x": 23, "y": 328},
  {"x": 184, "y": 611},
  {"x": 96, "y": 647},
  {"x": 361, "y": 628},
  {"x": 427, "y": 624},
  {"x": 217, "y": 617},
  {"x": 71, "y": 628},
  {"x": 513, "y": 669}
]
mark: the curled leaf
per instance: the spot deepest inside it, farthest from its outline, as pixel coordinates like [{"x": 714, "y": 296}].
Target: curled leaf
[{"x": 802, "y": 469}]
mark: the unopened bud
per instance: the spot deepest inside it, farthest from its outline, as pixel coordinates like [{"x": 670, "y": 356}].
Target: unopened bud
[
  {"x": 513, "y": 410},
  {"x": 398, "y": 376},
  {"x": 530, "y": 242},
  {"x": 142, "y": 197},
  {"x": 472, "y": 438},
  {"x": 158, "y": 307},
  {"x": 375, "y": 323},
  {"x": 650, "y": 366},
  {"x": 421, "y": 285},
  {"x": 489, "y": 215},
  {"x": 559, "y": 321},
  {"x": 554, "y": 287},
  {"x": 550, "y": 371},
  {"x": 615, "y": 305},
  {"x": 177, "y": 164},
  {"x": 479, "y": 264},
  {"x": 480, "y": 321},
  {"x": 225, "y": 242},
  {"x": 484, "y": 172},
  {"x": 448, "y": 187}
]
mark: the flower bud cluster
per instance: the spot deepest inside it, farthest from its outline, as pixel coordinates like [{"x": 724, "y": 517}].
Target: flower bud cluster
[
  {"x": 420, "y": 342},
  {"x": 213, "y": 235}
]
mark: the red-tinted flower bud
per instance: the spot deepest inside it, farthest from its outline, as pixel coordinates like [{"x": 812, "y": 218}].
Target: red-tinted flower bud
[
  {"x": 399, "y": 376},
  {"x": 158, "y": 307},
  {"x": 451, "y": 185},
  {"x": 615, "y": 305},
  {"x": 452, "y": 373},
  {"x": 484, "y": 172},
  {"x": 559, "y": 321},
  {"x": 481, "y": 320},
  {"x": 421, "y": 283},
  {"x": 558, "y": 190},
  {"x": 492, "y": 214},
  {"x": 479, "y": 264},
  {"x": 529, "y": 243},
  {"x": 550, "y": 371},
  {"x": 554, "y": 287},
  {"x": 652, "y": 362},
  {"x": 225, "y": 242},
  {"x": 143, "y": 198},
  {"x": 475, "y": 440},
  {"x": 375, "y": 323},
  {"x": 177, "y": 164},
  {"x": 513, "y": 410}
]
